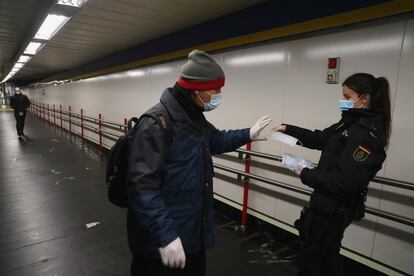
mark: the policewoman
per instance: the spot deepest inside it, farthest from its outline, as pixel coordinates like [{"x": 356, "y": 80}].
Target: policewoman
[{"x": 353, "y": 151}]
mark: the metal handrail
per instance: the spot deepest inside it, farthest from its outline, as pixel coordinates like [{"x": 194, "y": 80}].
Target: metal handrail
[
  {"x": 248, "y": 153},
  {"x": 77, "y": 115},
  {"x": 382, "y": 180},
  {"x": 369, "y": 210}
]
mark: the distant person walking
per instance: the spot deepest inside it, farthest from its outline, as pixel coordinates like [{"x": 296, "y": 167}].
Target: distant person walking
[{"x": 19, "y": 102}]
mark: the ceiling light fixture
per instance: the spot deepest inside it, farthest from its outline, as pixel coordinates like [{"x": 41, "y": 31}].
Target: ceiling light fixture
[
  {"x": 72, "y": 3},
  {"x": 18, "y": 65},
  {"x": 33, "y": 48},
  {"x": 24, "y": 58},
  {"x": 51, "y": 26}
]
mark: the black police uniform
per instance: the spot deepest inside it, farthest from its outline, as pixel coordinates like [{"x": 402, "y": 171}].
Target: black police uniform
[
  {"x": 352, "y": 153},
  {"x": 19, "y": 103}
]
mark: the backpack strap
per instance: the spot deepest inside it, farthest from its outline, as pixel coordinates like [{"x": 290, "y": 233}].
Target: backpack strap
[
  {"x": 134, "y": 120},
  {"x": 163, "y": 121},
  {"x": 161, "y": 116}
]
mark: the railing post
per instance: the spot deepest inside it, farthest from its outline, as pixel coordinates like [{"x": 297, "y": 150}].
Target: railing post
[
  {"x": 126, "y": 125},
  {"x": 48, "y": 113},
  {"x": 100, "y": 134},
  {"x": 54, "y": 115},
  {"x": 82, "y": 124},
  {"x": 246, "y": 188},
  {"x": 70, "y": 120},
  {"x": 60, "y": 111}
]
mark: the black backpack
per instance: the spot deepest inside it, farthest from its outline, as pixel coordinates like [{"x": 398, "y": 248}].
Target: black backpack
[{"x": 117, "y": 165}]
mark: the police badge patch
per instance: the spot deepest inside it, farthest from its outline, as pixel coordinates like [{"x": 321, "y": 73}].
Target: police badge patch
[{"x": 361, "y": 154}]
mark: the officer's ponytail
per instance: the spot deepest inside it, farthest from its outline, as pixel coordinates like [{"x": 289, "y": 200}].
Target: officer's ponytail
[
  {"x": 381, "y": 100},
  {"x": 379, "y": 91}
]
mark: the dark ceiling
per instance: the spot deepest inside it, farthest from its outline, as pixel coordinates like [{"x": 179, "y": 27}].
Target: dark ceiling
[
  {"x": 100, "y": 28},
  {"x": 107, "y": 33}
]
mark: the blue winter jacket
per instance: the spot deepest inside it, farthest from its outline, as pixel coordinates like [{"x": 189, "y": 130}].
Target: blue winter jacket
[{"x": 170, "y": 182}]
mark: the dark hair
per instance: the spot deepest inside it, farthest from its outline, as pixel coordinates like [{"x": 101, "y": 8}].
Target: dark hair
[{"x": 379, "y": 91}]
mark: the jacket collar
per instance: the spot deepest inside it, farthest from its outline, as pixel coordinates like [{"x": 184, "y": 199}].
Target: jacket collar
[
  {"x": 371, "y": 119},
  {"x": 179, "y": 114}
]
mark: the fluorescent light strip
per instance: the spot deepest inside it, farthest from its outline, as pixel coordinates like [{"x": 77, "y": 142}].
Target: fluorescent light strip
[
  {"x": 18, "y": 65},
  {"x": 73, "y": 3},
  {"x": 24, "y": 58},
  {"x": 51, "y": 26},
  {"x": 33, "y": 48}
]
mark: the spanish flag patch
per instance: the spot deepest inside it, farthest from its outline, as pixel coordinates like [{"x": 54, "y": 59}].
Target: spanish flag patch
[{"x": 361, "y": 154}]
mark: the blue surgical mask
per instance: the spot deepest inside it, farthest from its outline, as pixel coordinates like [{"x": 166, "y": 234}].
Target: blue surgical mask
[
  {"x": 346, "y": 104},
  {"x": 215, "y": 101}
]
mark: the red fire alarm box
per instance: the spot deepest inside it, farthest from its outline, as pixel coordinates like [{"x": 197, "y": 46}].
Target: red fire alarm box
[{"x": 333, "y": 70}]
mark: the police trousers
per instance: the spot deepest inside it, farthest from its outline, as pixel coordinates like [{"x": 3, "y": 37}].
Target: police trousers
[
  {"x": 321, "y": 234},
  {"x": 195, "y": 265}
]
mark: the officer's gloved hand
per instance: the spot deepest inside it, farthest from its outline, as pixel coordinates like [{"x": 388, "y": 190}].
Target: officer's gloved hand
[
  {"x": 173, "y": 255},
  {"x": 258, "y": 127}
]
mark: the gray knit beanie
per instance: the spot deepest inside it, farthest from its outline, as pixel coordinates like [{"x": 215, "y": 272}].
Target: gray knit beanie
[{"x": 201, "y": 72}]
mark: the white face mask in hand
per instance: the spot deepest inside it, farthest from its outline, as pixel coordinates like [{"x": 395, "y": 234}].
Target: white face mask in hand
[
  {"x": 291, "y": 161},
  {"x": 284, "y": 138}
]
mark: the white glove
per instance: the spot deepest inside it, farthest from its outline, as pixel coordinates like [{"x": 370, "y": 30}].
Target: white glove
[
  {"x": 173, "y": 255},
  {"x": 258, "y": 127}
]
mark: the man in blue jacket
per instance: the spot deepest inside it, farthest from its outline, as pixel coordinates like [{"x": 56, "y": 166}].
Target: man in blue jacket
[{"x": 170, "y": 173}]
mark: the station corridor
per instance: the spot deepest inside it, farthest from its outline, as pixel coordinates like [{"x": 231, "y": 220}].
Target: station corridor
[{"x": 52, "y": 186}]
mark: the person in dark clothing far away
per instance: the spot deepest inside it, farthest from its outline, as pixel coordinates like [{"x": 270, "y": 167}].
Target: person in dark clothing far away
[
  {"x": 170, "y": 177},
  {"x": 353, "y": 151},
  {"x": 20, "y": 103}
]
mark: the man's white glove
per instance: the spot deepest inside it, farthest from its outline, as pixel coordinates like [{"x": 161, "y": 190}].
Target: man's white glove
[
  {"x": 258, "y": 127},
  {"x": 173, "y": 255}
]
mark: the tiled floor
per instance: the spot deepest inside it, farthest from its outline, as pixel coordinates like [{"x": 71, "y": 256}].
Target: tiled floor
[{"x": 51, "y": 186}]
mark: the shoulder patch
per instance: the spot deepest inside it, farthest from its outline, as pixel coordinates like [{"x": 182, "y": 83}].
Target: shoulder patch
[{"x": 361, "y": 154}]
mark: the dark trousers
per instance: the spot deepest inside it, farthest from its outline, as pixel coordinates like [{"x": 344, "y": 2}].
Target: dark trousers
[
  {"x": 322, "y": 235},
  {"x": 20, "y": 121},
  {"x": 147, "y": 266}
]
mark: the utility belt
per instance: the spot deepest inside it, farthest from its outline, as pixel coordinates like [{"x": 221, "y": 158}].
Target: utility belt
[
  {"x": 326, "y": 209},
  {"x": 327, "y": 205}
]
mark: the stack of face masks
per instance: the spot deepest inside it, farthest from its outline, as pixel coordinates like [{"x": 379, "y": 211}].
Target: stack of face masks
[{"x": 291, "y": 161}]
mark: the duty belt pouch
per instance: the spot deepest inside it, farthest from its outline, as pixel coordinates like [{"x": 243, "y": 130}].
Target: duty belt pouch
[
  {"x": 303, "y": 224},
  {"x": 359, "y": 212},
  {"x": 323, "y": 204},
  {"x": 360, "y": 204}
]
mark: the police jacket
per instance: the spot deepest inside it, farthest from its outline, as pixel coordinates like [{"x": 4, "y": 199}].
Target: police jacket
[
  {"x": 19, "y": 102},
  {"x": 170, "y": 183},
  {"x": 352, "y": 154}
]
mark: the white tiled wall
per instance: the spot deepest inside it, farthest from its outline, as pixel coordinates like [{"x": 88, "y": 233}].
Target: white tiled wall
[{"x": 287, "y": 81}]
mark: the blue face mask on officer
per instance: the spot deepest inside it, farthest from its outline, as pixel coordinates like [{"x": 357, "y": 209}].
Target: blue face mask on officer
[{"x": 348, "y": 104}]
